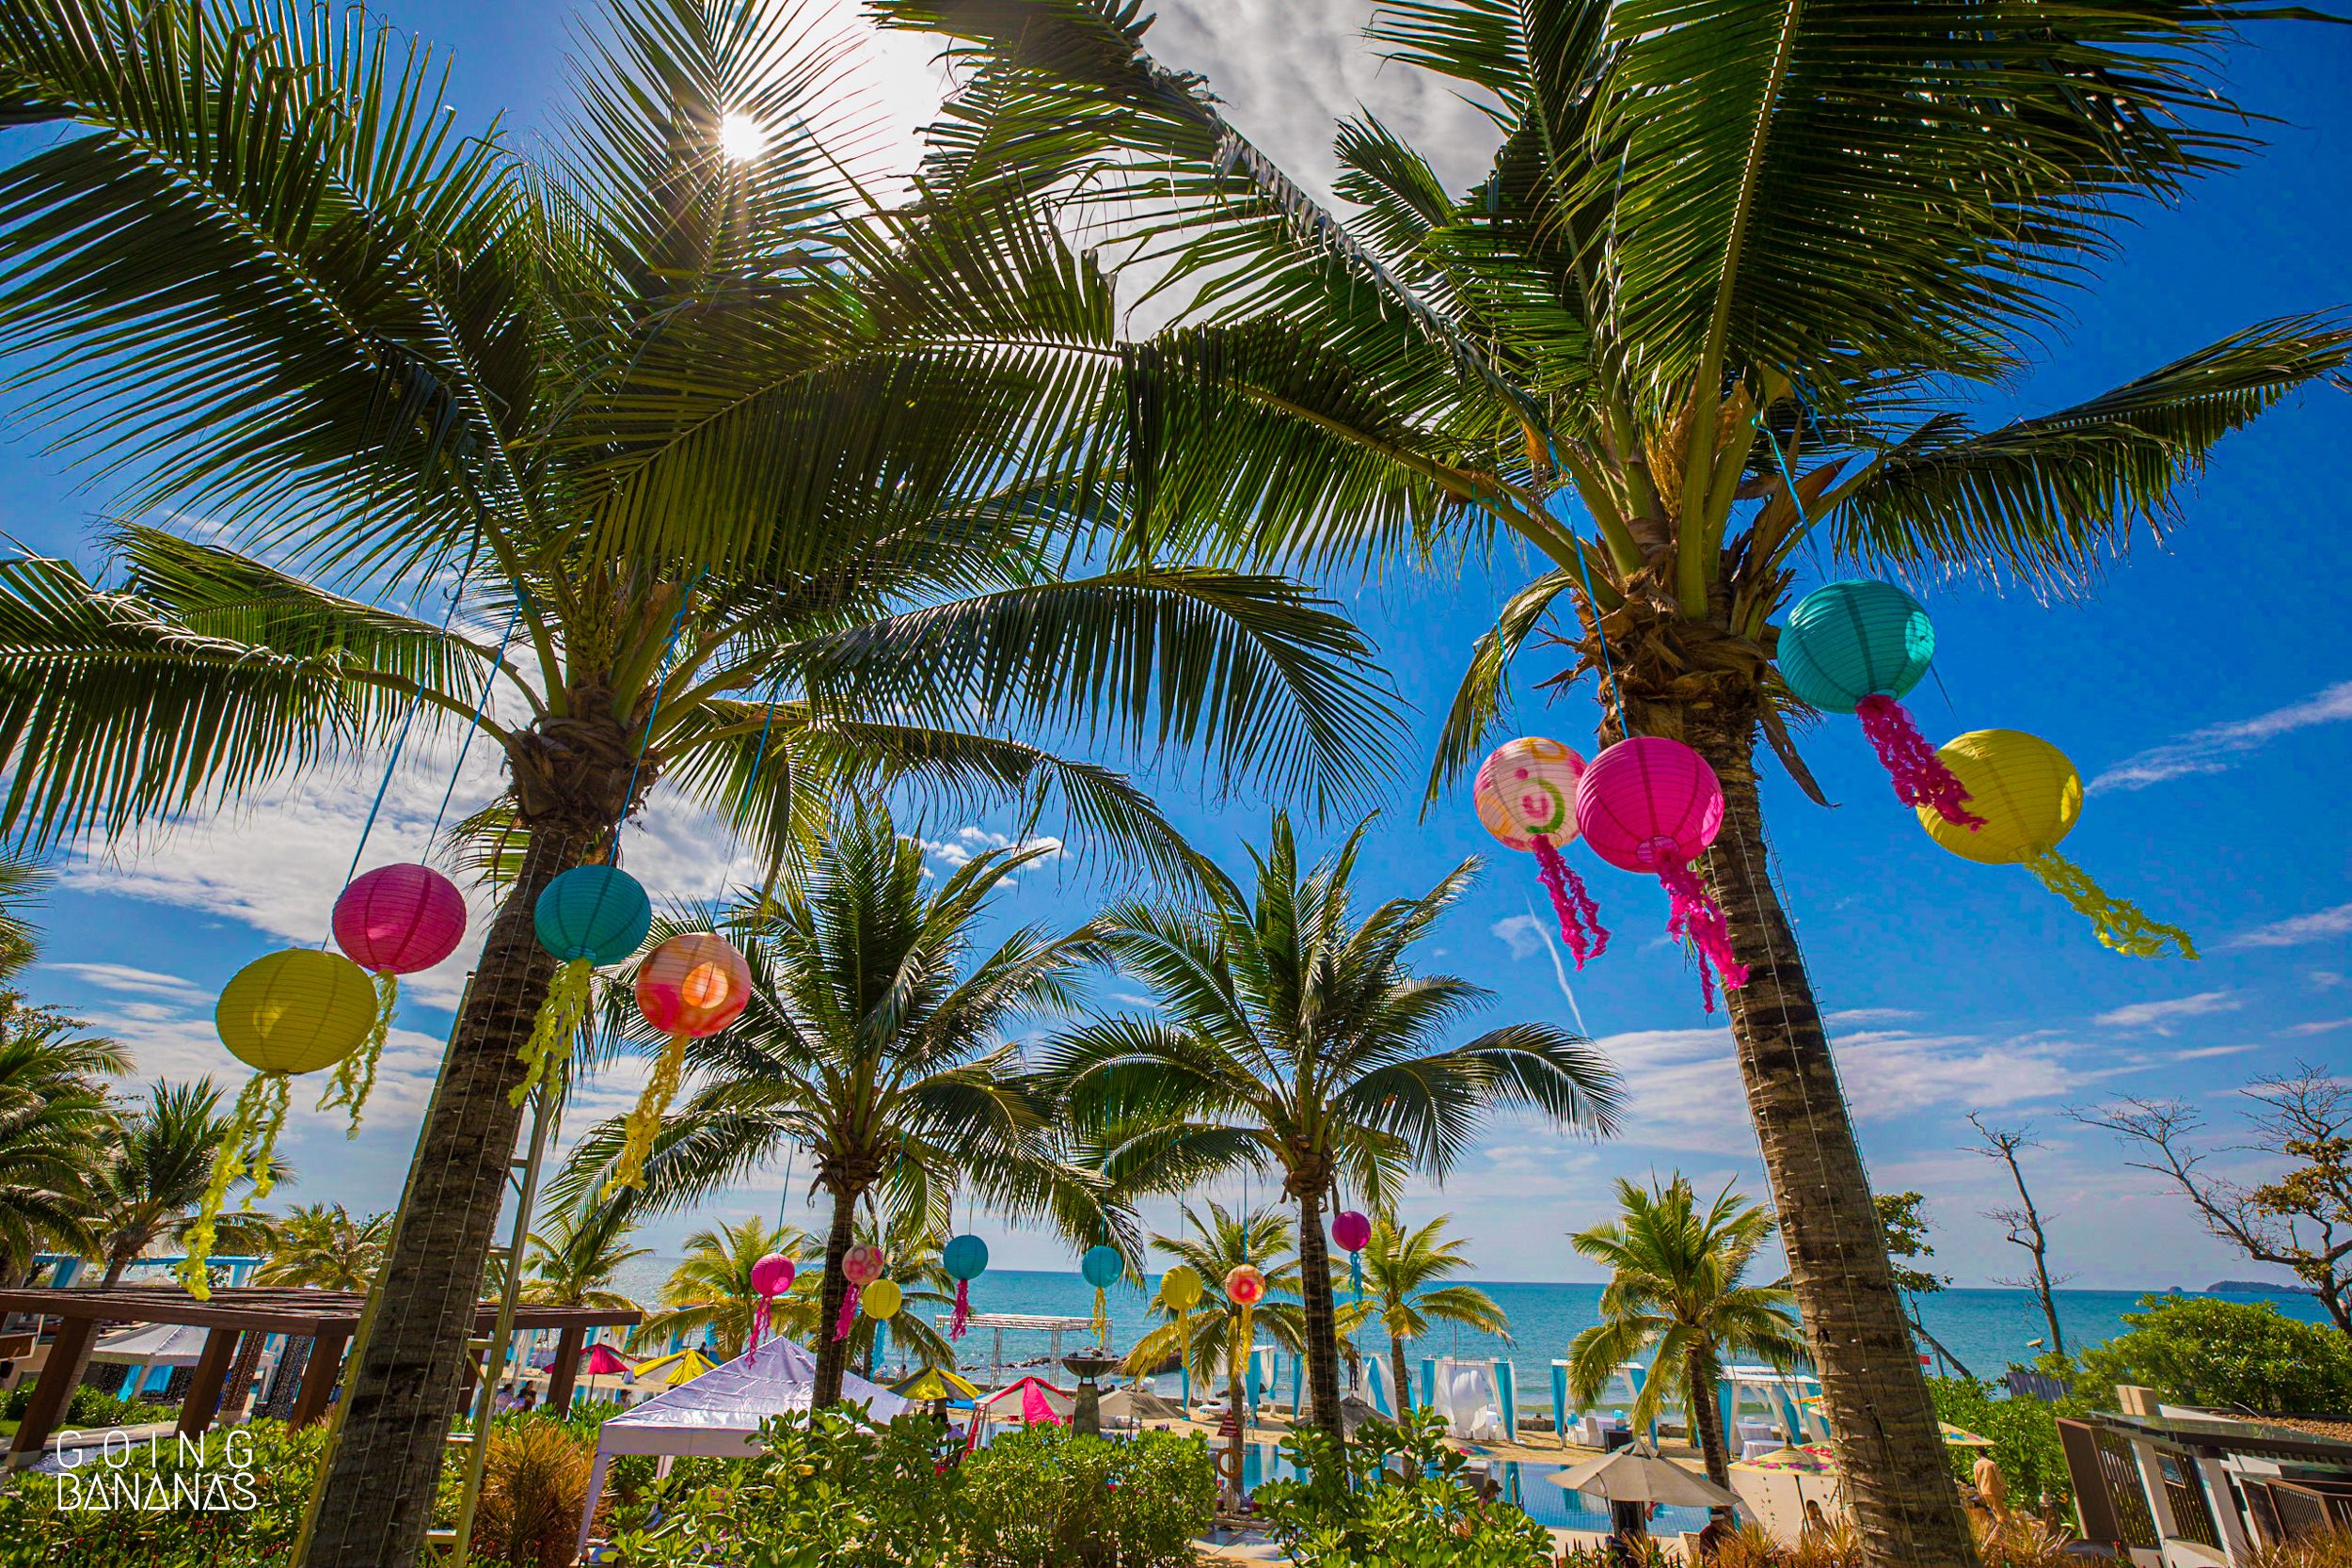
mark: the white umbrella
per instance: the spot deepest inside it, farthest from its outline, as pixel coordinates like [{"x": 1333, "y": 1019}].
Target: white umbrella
[{"x": 1636, "y": 1474}]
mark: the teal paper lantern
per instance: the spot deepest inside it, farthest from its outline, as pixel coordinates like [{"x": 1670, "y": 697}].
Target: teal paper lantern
[
  {"x": 596, "y": 912},
  {"x": 964, "y": 1257},
  {"x": 1101, "y": 1267},
  {"x": 1847, "y": 642}
]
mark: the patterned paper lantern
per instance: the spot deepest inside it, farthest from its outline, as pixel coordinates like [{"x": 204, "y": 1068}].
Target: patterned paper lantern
[
  {"x": 881, "y": 1300},
  {"x": 1525, "y": 796},
  {"x": 1650, "y": 804},
  {"x": 693, "y": 985},
  {"x": 1244, "y": 1286},
  {"x": 586, "y": 918},
  {"x": 283, "y": 1014},
  {"x": 965, "y": 1258},
  {"x": 1352, "y": 1232},
  {"x": 2031, "y": 798},
  {"x": 392, "y": 920},
  {"x": 1857, "y": 647},
  {"x": 770, "y": 1277},
  {"x": 861, "y": 1266},
  {"x": 1101, "y": 1266}
]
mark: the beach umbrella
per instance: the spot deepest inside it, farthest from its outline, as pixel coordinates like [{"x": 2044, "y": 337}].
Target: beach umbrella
[
  {"x": 1637, "y": 1473},
  {"x": 1525, "y": 796},
  {"x": 1810, "y": 1461},
  {"x": 1961, "y": 1438},
  {"x": 681, "y": 1368},
  {"x": 1137, "y": 1402},
  {"x": 933, "y": 1383},
  {"x": 603, "y": 1361},
  {"x": 1651, "y": 805}
]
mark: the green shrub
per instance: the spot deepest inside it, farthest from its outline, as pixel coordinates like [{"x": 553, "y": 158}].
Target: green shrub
[
  {"x": 257, "y": 1478},
  {"x": 1040, "y": 1499},
  {"x": 90, "y": 1409},
  {"x": 1398, "y": 1497},
  {"x": 2025, "y": 1439},
  {"x": 2196, "y": 1350}
]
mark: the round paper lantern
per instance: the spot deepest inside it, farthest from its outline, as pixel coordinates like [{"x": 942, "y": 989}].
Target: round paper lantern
[
  {"x": 587, "y": 917},
  {"x": 1244, "y": 1286},
  {"x": 863, "y": 1265},
  {"x": 693, "y": 985},
  {"x": 2031, "y": 798},
  {"x": 283, "y": 1014},
  {"x": 392, "y": 920},
  {"x": 1181, "y": 1287},
  {"x": 1650, "y": 804},
  {"x": 881, "y": 1300},
  {"x": 1525, "y": 795},
  {"x": 774, "y": 1275},
  {"x": 1351, "y": 1230},
  {"x": 963, "y": 1260},
  {"x": 1857, "y": 647},
  {"x": 1101, "y": 1266}
]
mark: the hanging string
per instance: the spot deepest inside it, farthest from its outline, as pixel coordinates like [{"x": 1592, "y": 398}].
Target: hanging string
[
  {"x": 661, "y": 683},
  {"x": 1600, "y": 638},
  {"x": 480, "y": 707}
]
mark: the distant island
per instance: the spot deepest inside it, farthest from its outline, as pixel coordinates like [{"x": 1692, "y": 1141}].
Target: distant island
[{"x": 2259, "y": 1288}]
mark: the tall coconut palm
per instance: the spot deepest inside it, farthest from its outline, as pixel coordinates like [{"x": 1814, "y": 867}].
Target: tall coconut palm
[
  {"x": 572, "y": 1261},
  {"x": 1403, "y": 1294},
  {"x": 768, "y": 483},
  {"x": 877, "y": 1042},
  {"x": 711, "y": 1291},
  {"x": 1675, "y": 1291},
  {"x": 913, "y": 1264},
  {"x": 1715, "y": 309},
  {"x": 1292, "y": 1038},
  {"x": 1211, "y": 1338},
  {"x": 320, "y": 1244}
]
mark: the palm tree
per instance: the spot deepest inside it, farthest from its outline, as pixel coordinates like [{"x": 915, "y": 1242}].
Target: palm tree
[
  {"x": 711, "y": 1291},
  {"x": 875, "y": 1041},
  {"x": 572, "y": 1262},
  {"x": 1402, "y": 1271},
  {"x": 1213, "y": 1246},
  {"x": 1674, "y": 1291},
  {"x": 154, "y": 1181},
  {"x": 56, "y": 1125},
  {"x": 319, "y": 1244},
  {"x": 766, "y": 482},
  {"x": 1292, "y": 1038},
  {"x": 1729, "y": 281}
]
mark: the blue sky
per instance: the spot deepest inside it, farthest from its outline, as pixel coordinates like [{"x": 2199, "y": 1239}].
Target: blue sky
[{"x": 2205, "y": 691}]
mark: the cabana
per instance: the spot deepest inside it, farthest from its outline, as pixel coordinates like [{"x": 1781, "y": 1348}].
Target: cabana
[
  {"x": 718, "y": 1413},
  {"x": 1477, "y": 1397},
  {"x": 1030, "y": 1400}
]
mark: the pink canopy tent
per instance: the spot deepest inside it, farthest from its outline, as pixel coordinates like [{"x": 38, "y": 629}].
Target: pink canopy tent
[{"x": 1031, "y": 1400}]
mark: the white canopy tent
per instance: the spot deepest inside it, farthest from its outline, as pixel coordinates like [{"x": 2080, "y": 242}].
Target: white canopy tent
[
  {"x": 720, "y": 1413},
  {"x": 154, "y": 1345}
]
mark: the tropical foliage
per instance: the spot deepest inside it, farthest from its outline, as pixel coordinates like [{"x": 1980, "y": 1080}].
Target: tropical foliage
[
  {"x": 1676, "y": 1294},
  {"x": 154, "y": 1180},
  {"x": 1403, "y": 1296},
  {"x": 1396, "y": 1493},
  {"x": 711, "y": 1291},
  {"x": 2225, "y": 1354},
  {"x": 1291, "y": 1036},
  {"x": 320, "y": 1245},
  {"x": 1216, "y": 1241},
  {"x": 911, "y": 1262},
  {"x": 56, "y": 1126},
  {"x": 573, "y": 1260}
]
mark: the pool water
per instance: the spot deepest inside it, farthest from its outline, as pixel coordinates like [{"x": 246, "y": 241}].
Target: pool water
[{"x": 1528, "y": 1485}]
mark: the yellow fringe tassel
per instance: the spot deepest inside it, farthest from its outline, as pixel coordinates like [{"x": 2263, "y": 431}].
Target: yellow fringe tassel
[
  {"x": 645, "y": 1121},
  {"x": 355, "y": 1075},
  {"x": 245, "y": 1149},
  {"x": 1102, "y": 1318},
  {"x": 556, "y": 1027},
  {"x": 2121, "y": 923}
]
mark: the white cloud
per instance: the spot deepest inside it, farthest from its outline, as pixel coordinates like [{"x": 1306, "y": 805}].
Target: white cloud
[
  {"x": 2318, "y": 1026},
  {"x": 2217, "y": 748},
  {"x": 2300, "y": 931},
  {"x": 1855, "y": 1016},
  {"x": 966, "y": 844},
  {"x": 2202, "y": 1051},
  {"x": 126, "y": 980},
  {"x": 2161, "y": 1016},
  {"x": 1522, "y": 933}
]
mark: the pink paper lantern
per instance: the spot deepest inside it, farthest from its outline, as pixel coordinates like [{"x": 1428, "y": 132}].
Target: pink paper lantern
[
  {"x": 1351, "y": 1230},
  {"x": 693, "y": 985},
  {"x": 400, "y": 919},
  {"x": 1525, "y": 795},
  {"x": 1650, "y": 804},
  {"x": 862, "y": 1265},
  {"x": 773, "y": 1275}
]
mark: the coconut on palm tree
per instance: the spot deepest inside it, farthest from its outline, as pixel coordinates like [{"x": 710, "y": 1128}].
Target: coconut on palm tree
[
  {"x": 1404, "y": 1293},
  {"x": 572, "y": 1260},
  {"x": 877, "y": 1042},
  {"x": 711, "y": 1291},
  {"x": 321, "y": 1245},
  {"x": 1675, "y": 1292},
  {"x": 1713, "y": 312},
  {"x": 767, "y": 485},
  {"x": 1292, "y": 1038}
]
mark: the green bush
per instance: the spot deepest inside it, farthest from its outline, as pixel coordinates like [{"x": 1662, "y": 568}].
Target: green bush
[
  {"x": 257, "y": 1478},
  {"x": 1040, "y": 1499},
  {"x": 2024, "y": 1438},
  {"x": 90, "y": 1409},
  {"x": 1397, "y": 1496},
  {"x": 2196, "y": 1350}
]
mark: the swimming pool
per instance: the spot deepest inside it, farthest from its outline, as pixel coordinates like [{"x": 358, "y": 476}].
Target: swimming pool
[{"x": 1526, "y": 1484}]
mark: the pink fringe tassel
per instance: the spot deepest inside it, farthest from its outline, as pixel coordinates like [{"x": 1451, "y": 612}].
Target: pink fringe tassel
[
  {"x": 962, "y": 1317},
  {"x": 848, "y": 1315},
  {"x": 760, "y": 1324},
  {"x": 1920, "y": 777},
  {"x": 1696, "y": 915},
  {"x": 1579, "y": 917}
]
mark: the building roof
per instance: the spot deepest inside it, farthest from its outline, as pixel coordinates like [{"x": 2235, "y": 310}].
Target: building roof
[{"x": 2290, "y": 1438}]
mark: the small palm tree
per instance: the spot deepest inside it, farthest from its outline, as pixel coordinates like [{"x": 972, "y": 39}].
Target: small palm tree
[
  {"x": 711, "y": 1291},
  {"x": 1675, "y": 1290},
  {"x": 1292, "y": 1038},
  {"x": 914, "y": 1266},
  {"x": 876, "y": 1039},
  {"x": 572, "y": 1262},
  {"x": 1402, "y": 1292},
  {"x": 57, "y": 1127},
  {"x": 154, "y": 1182},
  {"x": 320, "y": 1244},
  {"x": 1212, "y": 1247}
]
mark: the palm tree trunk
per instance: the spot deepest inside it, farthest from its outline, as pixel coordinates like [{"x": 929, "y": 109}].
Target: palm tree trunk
[
  {"x": 387, "y": 1455},
  {"x": 1881, "y": 1421},
  {"x": 1401, "y": 1390},
  {"x": 1699, "y": 1375},
  {"x": 1322, "y": 1322},
  {"x": 832, "y": 1356}
]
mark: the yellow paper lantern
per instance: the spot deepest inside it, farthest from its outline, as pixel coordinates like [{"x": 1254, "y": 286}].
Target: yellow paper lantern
[
  {"x": 881, "y": 1300},
  {"x": 2030, "y": 797}
]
